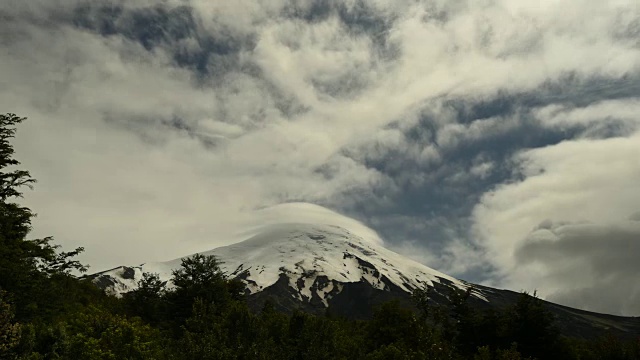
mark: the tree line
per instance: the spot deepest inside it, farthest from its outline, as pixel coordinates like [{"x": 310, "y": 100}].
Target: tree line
[{"x": 48, "y": 312}]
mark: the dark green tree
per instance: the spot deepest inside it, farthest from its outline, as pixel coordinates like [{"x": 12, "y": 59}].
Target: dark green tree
[
  {"x": 11, "y": 179},
  {"x": 200, "y": 277},
  {"x": 533, "y": 328},
  {"x": 26, "y": 265},
  {"x": 148, "y": 300},
  {"x": 9, "y": 330},
  {"x": 392, "y": 324}
]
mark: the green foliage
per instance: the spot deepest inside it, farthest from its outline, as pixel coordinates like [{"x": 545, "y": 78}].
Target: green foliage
[
  {"x": 392, "y": 324},
  {"x": 93, "y": 333},
  {"x": 606, "y": 348},
  {"x": 9, "y": 330},
  {"x": 98, "y": 334},
  {"x": 28, "y": 267},
  {"x": 521, "y": 331},
  {"x": 147, "y": 301},
  {"x": 532, "y": 328},
  {"x": 388, "y": 352},
  {"x": 10, "y": 181},
  {"x": 200, "y": 277}
]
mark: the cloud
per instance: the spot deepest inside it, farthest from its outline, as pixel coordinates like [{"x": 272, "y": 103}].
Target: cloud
[
  {"x": 588, "y": 265},
  {"x": 305, "y": 213},
  {"x": 145, "y": 158},
  {"x": 599, "y": 119},
  {"x": 156, "y": 127},
  {"x": 593, "y": 181}
]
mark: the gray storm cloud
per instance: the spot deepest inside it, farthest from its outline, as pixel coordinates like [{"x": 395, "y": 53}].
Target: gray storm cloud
[
  {"x": 588, "y": 265},
  {"x": 452, "y": 128}
]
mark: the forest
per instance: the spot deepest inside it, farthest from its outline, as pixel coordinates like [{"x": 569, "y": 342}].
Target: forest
[{"x": 48, "y": 310}]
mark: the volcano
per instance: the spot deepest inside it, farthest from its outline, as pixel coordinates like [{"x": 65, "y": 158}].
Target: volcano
[{"x": 344, "y": 269}]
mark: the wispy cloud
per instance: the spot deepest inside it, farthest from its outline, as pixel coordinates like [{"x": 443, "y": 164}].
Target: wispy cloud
[{"x": 453, "y": 128}]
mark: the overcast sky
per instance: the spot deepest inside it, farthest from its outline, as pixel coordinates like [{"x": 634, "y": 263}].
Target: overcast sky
[{"x": 494, "y": 140}]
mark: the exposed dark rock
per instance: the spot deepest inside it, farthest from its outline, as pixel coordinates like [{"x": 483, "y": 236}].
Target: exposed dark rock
[
  {"x": 316, "y": 237},
  {"x": 128, "y": 273},
  {"x": 104, "y": 282}
]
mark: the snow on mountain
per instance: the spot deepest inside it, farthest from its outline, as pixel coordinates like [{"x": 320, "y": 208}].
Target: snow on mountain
[{"x": 318, "y": 259}]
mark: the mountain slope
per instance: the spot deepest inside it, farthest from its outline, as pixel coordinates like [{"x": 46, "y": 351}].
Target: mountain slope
[
  {"x": 312, "y": 263},
  {"x": 315, "y": 267}
]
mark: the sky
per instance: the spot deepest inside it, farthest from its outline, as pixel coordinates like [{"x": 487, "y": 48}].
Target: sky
[{"x": 497, "y": 141}]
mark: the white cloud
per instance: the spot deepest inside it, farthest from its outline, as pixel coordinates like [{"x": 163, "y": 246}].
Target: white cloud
[
  {"x": 592, "y": 115},
  {"x": 117, "y": 177},
  {"x": 482, "y": 170},
  {"x": 305, "y": 213},
  {"x": 575, "y": 181}
]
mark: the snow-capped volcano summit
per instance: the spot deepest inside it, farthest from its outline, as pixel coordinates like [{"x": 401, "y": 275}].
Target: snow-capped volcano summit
[
  {"x": 308, "y": 251},
  {"x": 309, "y": 262},
  {"x": 317, "y": 260}
]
